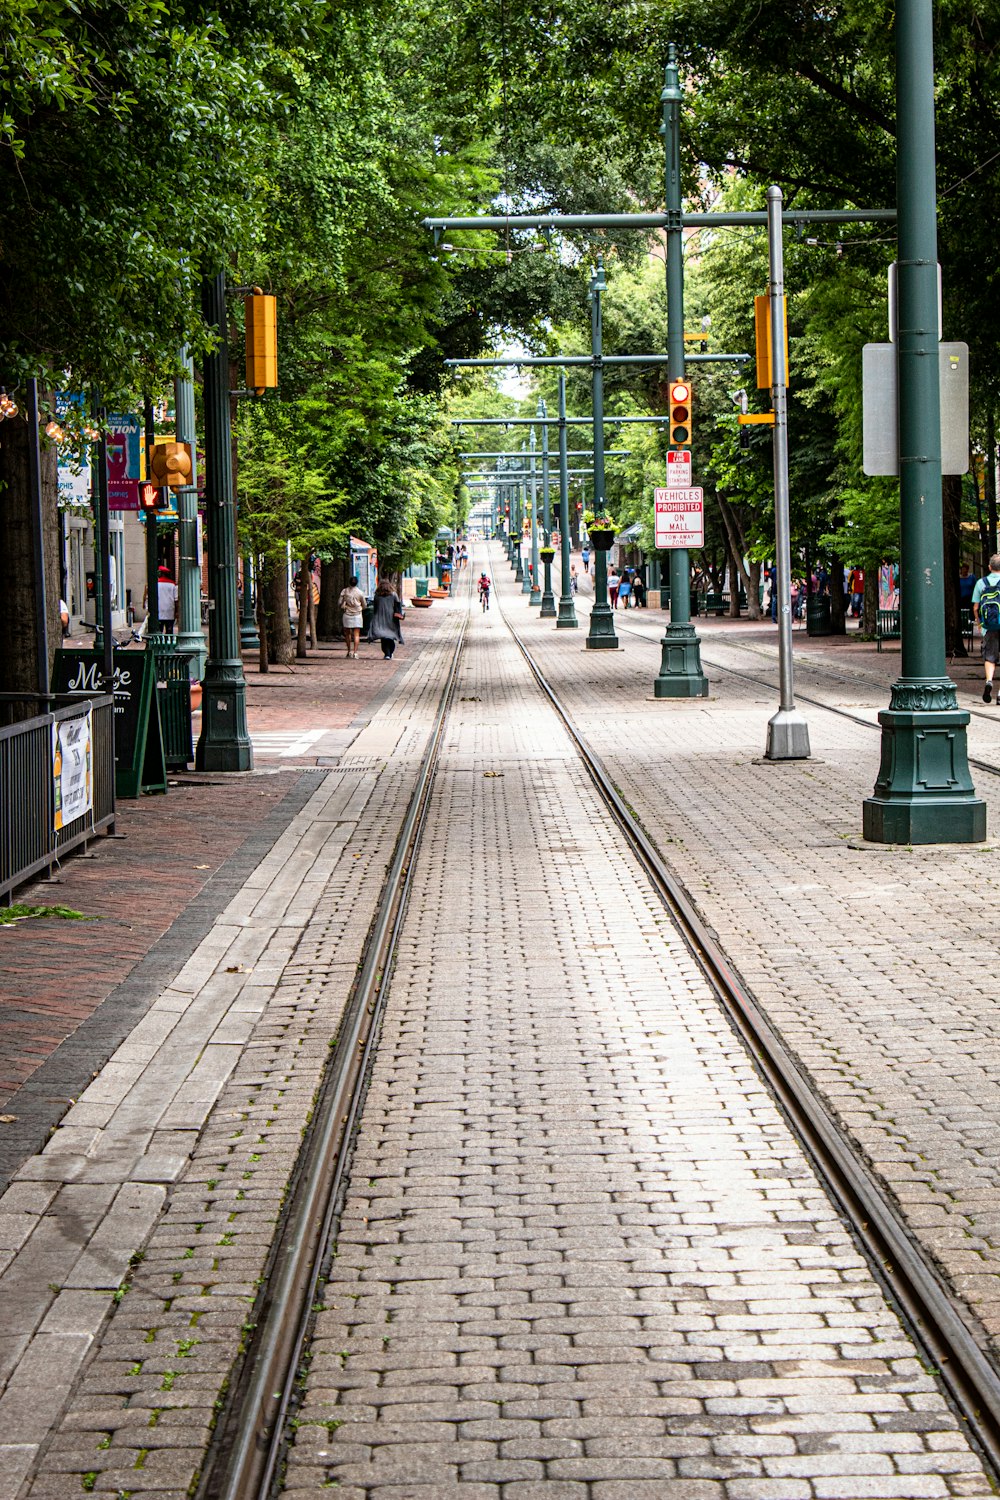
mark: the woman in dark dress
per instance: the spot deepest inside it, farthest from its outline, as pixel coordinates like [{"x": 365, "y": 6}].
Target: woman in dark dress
[{"x": 387, "y": 618}]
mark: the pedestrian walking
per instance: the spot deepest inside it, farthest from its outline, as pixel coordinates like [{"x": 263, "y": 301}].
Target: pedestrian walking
[
  {"x": 614, "y": 583},
  {"x": 585, "y": 558},
  {"x": 625, "y": 589},
  {"x": 638, "y": 590},
  {"x": 166, "y": 601},
  {"x": 986, "y": 612},
  {"x": 387, "y": 618},
  {"x": 574, "y": 582},
  {"x": 352, "y": 604}
]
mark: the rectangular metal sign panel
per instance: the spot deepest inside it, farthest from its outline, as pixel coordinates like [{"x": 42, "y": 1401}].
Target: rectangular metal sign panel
[
  {"x": 880, "y": 416},
  {"x": 679, "y": 518},
  {"x": 679, "y": 469}
]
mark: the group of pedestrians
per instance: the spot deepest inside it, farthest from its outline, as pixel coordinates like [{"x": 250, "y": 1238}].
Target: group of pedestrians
[
  {"x": 386, "y": 622},
  {"x": 626, "y": 588}
]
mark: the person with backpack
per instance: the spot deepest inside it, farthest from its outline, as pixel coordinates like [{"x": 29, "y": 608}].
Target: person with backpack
[{"x": 986, "y": 611}]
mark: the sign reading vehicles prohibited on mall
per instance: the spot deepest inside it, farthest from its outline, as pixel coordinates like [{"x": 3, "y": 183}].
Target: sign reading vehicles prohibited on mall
[{"x": 680, "y": 518}]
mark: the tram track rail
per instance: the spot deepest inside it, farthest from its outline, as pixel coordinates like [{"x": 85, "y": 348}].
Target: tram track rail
[
  {"x": 245, "y": 1458},
  {"x": 934, "y": 1318},
  {"x": 830, "y": 708}
]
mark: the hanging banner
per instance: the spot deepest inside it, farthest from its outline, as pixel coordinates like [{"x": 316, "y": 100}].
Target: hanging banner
[
  {"x": 72, "y": 759},
  {"x": 124, "y": 462}
]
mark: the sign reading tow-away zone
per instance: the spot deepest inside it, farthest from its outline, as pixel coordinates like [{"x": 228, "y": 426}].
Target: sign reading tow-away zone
[{"x": 680, "y": 518}]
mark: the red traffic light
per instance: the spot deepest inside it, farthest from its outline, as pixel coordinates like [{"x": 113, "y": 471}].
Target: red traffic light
[{"x": 680, "y": 414}]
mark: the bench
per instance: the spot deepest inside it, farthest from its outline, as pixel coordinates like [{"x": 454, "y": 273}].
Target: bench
[
  {"x": 886, "y": 626},
  {"x": 717, "y": 604}
]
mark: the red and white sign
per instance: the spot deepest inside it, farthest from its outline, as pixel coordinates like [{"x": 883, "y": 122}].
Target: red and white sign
[
  {"x": 678, "y": 469},
  {"x": 680, "y": 518}
]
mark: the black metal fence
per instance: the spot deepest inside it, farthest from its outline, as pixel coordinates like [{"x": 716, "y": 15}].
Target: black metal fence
[{"x": 30, "y": 841}]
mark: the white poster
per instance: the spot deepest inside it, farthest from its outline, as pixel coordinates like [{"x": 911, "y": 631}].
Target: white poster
[{"x": 72, "y": 760}]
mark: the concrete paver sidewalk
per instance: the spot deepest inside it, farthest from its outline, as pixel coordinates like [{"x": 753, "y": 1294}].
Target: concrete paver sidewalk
[{"x": 581, "y": 1255}]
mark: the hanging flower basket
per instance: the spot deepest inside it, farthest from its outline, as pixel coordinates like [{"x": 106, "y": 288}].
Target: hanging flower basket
[
  {"x": 546, "y": 553},
  {"x": 601, "y": 538}
]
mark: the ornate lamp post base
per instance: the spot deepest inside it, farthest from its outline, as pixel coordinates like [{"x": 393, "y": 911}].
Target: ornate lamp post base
[
  {"x": 787, "y": 736},
  {"x": 548, "y": 598},
  {"x": 680, "y": 665},
  {"x": 224, "y": 743},
  {"x": 601, "y": 635},
  {"x": 567, "y": 616},
  {"x": 924, "y": 793}
]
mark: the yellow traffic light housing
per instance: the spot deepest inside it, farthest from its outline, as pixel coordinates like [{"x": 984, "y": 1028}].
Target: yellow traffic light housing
[
  {"x": 762, "y": 336},
  {"x": 680, "y": 414},
  {"x": 261, "y": 316},
  {"x": 170, "y": 465}
]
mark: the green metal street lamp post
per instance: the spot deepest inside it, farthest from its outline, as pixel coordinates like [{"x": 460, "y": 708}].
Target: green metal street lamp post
[
  {"x": 924, "y": 792},
  {"x": 548, "y": 610},
  {"x": 190, "y": 636},
  {"x": 567, "y": 610},
  {"x": 224, "y": 743},
  {"x": 680, "y": 673},
  {"x": 534, "y": 591},
  {"x": 601, "y": 635}
]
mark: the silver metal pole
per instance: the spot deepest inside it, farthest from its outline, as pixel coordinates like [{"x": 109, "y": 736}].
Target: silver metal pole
[{"x": 787, "y": 731}]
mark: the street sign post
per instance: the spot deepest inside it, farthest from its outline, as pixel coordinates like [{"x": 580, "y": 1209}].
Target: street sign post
[
  {"x": 678, "y": 469},
  {"x": 680, "y": 518}
]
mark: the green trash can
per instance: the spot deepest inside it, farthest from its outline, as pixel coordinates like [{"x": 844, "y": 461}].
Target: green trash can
[
  {"x": 173, "y": 688},
  {"x": 422, "y": 586},
  {"x": 818, "y": 620}
]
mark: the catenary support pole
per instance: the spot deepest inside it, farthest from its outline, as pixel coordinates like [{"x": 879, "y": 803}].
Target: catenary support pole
[
  {"x": 190, "y": 635},
  {"x": 224, "y": 743},
  {"x": 601, "y": 635},
  {"x": 38, "y": 543},
  {"x": 105, "y": 642},
  {"x": 787, "y": 731},
  {"x": 534, "y": 592},
  {"x": 548, "y": 610},
  {"x": 923, "y": 793},
  {"x": 151, "y": 538},
  {"x": 566, "y": 619},
  {"x": 680, "y": 674}
]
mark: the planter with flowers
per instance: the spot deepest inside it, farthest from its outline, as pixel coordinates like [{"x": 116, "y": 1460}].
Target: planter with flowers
[
  {"x": 546, "y": 554},
  {"x": 601, "y": 530}
]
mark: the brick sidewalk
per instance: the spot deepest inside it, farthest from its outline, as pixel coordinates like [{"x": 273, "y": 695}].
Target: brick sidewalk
[{"x": 157, "y": 885}]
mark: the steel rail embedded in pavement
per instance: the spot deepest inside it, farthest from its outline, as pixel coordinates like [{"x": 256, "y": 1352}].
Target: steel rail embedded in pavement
[
  {"x": 249, "y": 1439},
  {"x": 934, "y": 1318}
]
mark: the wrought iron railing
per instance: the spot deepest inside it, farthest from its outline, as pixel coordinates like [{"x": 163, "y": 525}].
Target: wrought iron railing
[{"x": 29, "y": 839}]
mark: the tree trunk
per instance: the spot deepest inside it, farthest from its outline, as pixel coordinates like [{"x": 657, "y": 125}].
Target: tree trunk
[
  {"x": 305, "y": 605},
  {"x": 334, "y": 578},
  {"x": 951, "y": 495},
  {"x": 750, "y": 580},
  {"x": 261, "y": 616},
  {"x": 280, "y": 651},
  {"x": 838, "y": 599},
  {"x": 869, "y": 607},
  {"x": 991, "y": 487},
  {"x": 20, "y": 647}
]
